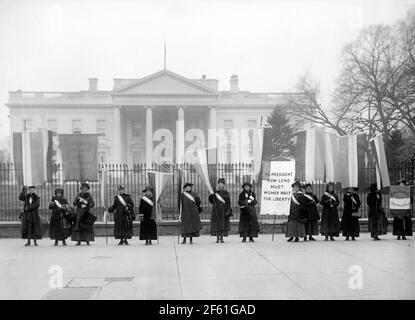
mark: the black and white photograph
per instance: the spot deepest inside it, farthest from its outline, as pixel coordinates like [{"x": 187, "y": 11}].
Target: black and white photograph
[{"x": 207, "y": 151}]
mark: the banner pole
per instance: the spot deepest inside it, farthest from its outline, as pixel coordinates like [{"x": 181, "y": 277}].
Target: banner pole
[{"x": 273, "y": 228}]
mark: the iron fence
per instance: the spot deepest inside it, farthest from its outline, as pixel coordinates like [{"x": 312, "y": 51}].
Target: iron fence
[{"x": 134, "y": 178}]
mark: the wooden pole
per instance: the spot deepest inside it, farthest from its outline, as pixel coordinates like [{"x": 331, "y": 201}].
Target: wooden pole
[{"x": 273, "y": 228}]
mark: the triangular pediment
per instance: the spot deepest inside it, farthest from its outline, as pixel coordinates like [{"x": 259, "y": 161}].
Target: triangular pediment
[{"x": 164, "y": 83}]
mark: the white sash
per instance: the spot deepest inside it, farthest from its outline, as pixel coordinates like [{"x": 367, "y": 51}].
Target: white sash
[
  {"x": 293, "y": 198},
  {"x": 218, "y": 196},
  {"x": 189, "y": 196},
  {"x": 121, "y": 199},
  {"x": 147, "y": 200},
  {"x": 30, "y": 200},
  {"x": 354, "y": 201},
  {"x": 330, "y": 195},
  {"x": 309, "y": 197},
  {"x": 83, "y": 200},
  {"x": 58, "y": 204}
]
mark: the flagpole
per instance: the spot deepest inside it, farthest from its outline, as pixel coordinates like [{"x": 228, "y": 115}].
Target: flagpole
[{"x": 273, "y": 228}]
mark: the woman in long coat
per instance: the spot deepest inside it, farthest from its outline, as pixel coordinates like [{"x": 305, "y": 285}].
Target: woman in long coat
[
  {"x": 402, "y": 224},
  {"x": 190, "y": 219},
  {"x": 311, "y": 226},
  {"x": 248, "y": 220},
  {"x": 31, "y": 228},
  {"x": 148, "y": 227},
  {"x": 123, "y": 216},
  {"x": 378, "y": 223},
  {"x": 59, "y": 225},
  {"x": 298, "y": 214},
  {"x": 349, "y": 224},
  {"x": 83, "y": 229},
  {"x": 330, "y": 222},
  {"x": 221, "y": 212}
]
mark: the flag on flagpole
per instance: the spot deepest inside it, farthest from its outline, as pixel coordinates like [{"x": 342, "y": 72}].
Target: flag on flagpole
[
  {"x": 348, "y": 167},
  {"x": 332, "y": 159},
  {"x": 33, "y": 150},
  {"x": 258, "y": 144},
  {"x": 200, "y": 166},
  {"x": 378, "y": 149},
  {"x": 159, "y": 181}
]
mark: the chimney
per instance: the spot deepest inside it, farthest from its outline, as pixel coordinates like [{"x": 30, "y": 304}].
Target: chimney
[
  {"x": 93, "y": 84},
  {"x": 234, "y": 83}
]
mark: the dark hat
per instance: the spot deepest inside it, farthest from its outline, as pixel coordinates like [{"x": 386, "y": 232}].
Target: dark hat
[
  {"x": 403, "y": 180},
  {"x": 32, "y": 187},
  {"x": 246, "y": 184},
  {"x": 84, "y": 185},
  {"x": 148, "y": 188},
  {"x": 58, "y": 190},
  {"x": 373, "y": 186},
  {"x": 221, "y": 180},
  {"x": 296, "y": 184},
  {"x": 187, "y": 184},
  {"x": 307, "y": 185},
  {"x": 121, "y": 187}
]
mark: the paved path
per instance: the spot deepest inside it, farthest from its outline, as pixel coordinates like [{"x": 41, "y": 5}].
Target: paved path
[{"x": 206, "y": 270}]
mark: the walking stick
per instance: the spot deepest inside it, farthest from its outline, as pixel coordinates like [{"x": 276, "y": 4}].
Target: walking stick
[{"x": 273, "y": 228}]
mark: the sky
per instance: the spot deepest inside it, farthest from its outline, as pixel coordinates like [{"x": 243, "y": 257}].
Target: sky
[{"x": 55, "y": 45}]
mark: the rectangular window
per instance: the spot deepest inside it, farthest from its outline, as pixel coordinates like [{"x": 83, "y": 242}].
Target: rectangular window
[
  {"x": 136, "y": 128},
  {"x": 251, "y": 126},
  {"x": 101, "y": 128},
  {"x": 53, "y": 125},
  {"x": 27, "y": 125},
  {"x": 76, "y": 126},
  {"x": 136, "y": 157},
  {"x": 228, "y": 124}
]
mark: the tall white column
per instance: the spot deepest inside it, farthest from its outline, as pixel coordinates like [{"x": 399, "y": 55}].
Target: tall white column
[
  {"x": 180, "y": 135},
  {"x": 212, "y": 134},
  {"x": 116, "y": 142},
  {"x": 149, "y": 135}
]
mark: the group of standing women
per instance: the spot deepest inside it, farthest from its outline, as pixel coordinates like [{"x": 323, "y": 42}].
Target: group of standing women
[
  {"x": 304, "y": 216},
  {"x": 77, "y": 221}
]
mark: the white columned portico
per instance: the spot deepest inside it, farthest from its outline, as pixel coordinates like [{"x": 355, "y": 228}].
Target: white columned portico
[
  {"x": 212, "y": 137},
  {"x": 116, "y": 143},
  {"x": 149, "y": 135},
  {"x": 180, "y": 135}
]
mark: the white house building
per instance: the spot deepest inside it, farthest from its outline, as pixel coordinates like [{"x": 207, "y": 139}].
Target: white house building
[{"x": 154, "y": 118}]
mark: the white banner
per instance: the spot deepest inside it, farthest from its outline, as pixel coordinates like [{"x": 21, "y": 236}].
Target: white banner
[{"x": 276, "y": 190}]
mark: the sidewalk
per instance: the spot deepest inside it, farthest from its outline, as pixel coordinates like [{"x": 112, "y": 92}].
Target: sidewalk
[{"x": 206, "y": 270}]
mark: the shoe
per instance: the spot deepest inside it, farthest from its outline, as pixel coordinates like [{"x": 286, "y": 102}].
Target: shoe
[
  {"x": 121, "y": 242},
  {"x": 296, "y": 239},
  {"x": 64, "y": 243},
  {"x": 251, "y": 239},
  {"x": 311, "y": 238},
  {"x": 244, "y": 239},
  {"x": 191, "y": 241},
  {"x": 56, "y": 243},
  {"x": 149, "y": 242},
  {"x": 326, "y": 238},
  {"x": 305, "y": 238},
  {"x": 376, "y": 238},
  {"x": 347, "y": 238},
  {"x": 183, "y": 241},
  {"x": 87, "y": 243},
  {"x": 35, "y": 244},
  {"x": 353, "y": 239},
  {"x": 331, "y": 239},
  {"x": 78, "y": 243},
  {"x": 27, "y": 244},
  {"x": 146, "y": 242},
  {"x": 399, "y": 238},
  {"x": 403, "y": 238},
  {"x": 290, "y": 239},
  {"x": 221, "y": 241},
  {"x": 126, "y": 242},
  {"x": 217, "y": 240}
]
